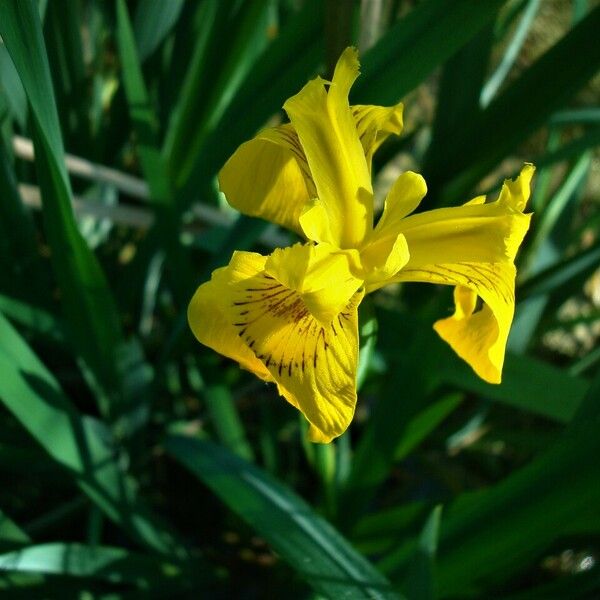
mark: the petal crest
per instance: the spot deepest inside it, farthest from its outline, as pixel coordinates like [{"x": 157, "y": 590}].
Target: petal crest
[{"x": 322, "y": 274}]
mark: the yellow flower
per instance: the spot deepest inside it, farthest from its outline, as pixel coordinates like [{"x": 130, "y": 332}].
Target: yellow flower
[{"x": 291, "y": 317}]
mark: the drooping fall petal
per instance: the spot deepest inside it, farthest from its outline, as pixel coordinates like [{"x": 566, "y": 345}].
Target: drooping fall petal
[
  {"x": 245, "y": 313},
  {"x": 472, "y": 247}
]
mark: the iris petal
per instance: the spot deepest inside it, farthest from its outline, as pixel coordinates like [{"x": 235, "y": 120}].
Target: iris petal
[
  {"x": 375, "y": 124},
  {"x": 245, "y": 313},
  {"x": 472, "y": 247},
  {"x": 327, "y": 132},
  {"x": 268, "y": 177}
]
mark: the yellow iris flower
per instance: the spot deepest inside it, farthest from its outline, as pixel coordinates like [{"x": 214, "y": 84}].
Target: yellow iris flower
[{"x": 291, "y": 317}]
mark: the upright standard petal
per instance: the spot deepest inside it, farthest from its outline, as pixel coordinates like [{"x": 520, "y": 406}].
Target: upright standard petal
[
  {"x": 473, "y": 247},
  {"x": 269, "y": 177},
  {"x": 328, "y": 134},
  {"x": 374, "y": 124},
  {"x": 268, "y": 326}
]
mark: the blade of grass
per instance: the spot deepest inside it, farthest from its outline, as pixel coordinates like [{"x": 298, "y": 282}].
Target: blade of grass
[
  {"x": 62, "y": 36},
  {"x": 153, "y": 21},
  {"x": 460, "y": 88},
  {"x": 202, "y": 105},
  {"x": 518, "y": 111},
  {"x": 283, "y": 66},
  {"x": 11, "y": 534},
  {"x": 104, "y": 563},
  {"x": 587, "y": 115},
  {"x": 570, "y": 149},
  {"x": 311, "y": 546},
  {"x": 493, "y": 84},
  {"x": 425, "y": 422},
  {"x": 546, "y": 281},
  {"x": 154, "y": 165},
  {"x": 573, "y": 586},
  {"x": 527, "y": 384},
  {"x": 88, "y": 304},
  {"x": 9, "y": 78},
  {"x": 551, "y": 236},
  {"x": 420, "y": 578},
  {"x": 553, "y": 211},
  {"x": 22, "y": 273},
  {"x": 36, "y": 320},
  {"x": 375, "y": 451},
  {"x": 226, "y": 421},
  {"x": 411, "y": 49}
]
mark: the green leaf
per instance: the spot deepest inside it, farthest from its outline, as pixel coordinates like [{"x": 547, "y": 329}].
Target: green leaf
[
  {"x": 527, "y": 384},
  {"x": 116, "y": 565},
  {"x": 579, "y": 585},
  {"x": 277, "y": 73},
  {"x": 226, "y": 420},
  {"x": 367, "y": 328},
  {"x": 551, "y": 236},
  {"x": 383, "y": 530},
  {"x": 143, "y": 117},
  {"x": 377, "y": 447},
  {"x": 36, "y": 320},
  {"x": 420, "y": 577},
  {"x": 205, "y": 99},
  {"x": 430, "y": 33},
  {"x": 88, "y": 304},
  {"x": 154, "y": 164},
  {"x": 460, "y": 89},
  {"x": 571, "y": 149},
  {"x": 309, "y": 544},
  {"x": 425, "y": 422},
  {"x": 9, "y": 80},
  {"x": 545, "y": 227},
  {"x": 63, "y": 39},
  {"x": 152, "y": 23},
  {"x": 79, "y": 443},
  {"x": 588, "y": 114},
  {"x": 10, "y": 533},
  {"x": 511, "y": 53},
  {"x": 22, "y": 273},
  {"x": 480, "y": 144},
  {"x": 489, "y": 535},
  {"x": 546, "y": 281}
]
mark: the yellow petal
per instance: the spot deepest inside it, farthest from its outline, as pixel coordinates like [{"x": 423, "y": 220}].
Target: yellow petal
[
  {"x": 386, "y": 250},
  {"x": 403, "y": 198},
  {"x": 472, "y": 247},
  {"x": 474, "y": 232},
  {"x": 314, "y": 222},
  {"x": 211, "y": 322},
  {"x": 321, "y": 274},
  {"x": 244, "y": 313},
  {"x": 374, "y": 124},
  {"x": 480, "y": 337},
  {"x": 268, "y": 177},
  {"x": 383, "y": 258},
  {"x": 327, "y": 132}
]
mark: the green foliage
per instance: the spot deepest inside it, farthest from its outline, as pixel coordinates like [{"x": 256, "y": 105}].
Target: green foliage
[{"x": 136, "y": 463}]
